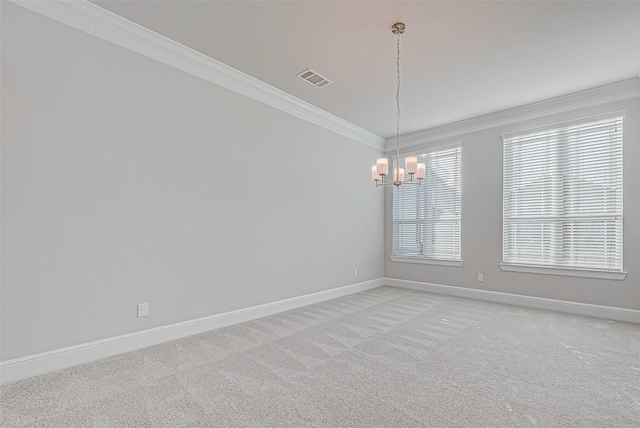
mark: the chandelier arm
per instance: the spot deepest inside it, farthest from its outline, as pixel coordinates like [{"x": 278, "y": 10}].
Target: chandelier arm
[{"x": 404, "y": 183}]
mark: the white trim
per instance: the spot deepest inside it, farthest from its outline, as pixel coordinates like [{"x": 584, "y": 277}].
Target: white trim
[
  {"x": 423, "y": 260},
  {"x": 431, "y": 149},
  {"x": 96, "y": 21},
  {"x": 607, "y": 312},
  {"x": 33, "y": 365},
  {"x": 553, "y": 126},
  {"x": 618, "y": 91},
  {"x": 582, "y": 273}
]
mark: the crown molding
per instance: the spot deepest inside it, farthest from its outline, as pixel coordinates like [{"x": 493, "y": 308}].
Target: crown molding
[
  {"x": 622, "y": 90},
  {"x": 96, "y": 21}
]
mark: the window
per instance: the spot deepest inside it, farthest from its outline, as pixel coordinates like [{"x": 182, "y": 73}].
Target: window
[
  {"x": 426, "y": 218},
  {"x": 562, "y": 197}
]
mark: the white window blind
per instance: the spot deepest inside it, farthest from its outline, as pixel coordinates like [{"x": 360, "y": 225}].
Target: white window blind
[
  {"x": 562, "y": 197},
  {"x": 426, "y": 218}
]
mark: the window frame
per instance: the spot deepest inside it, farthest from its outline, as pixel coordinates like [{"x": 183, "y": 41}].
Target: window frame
[
  {"x": 565, "y": 270},
  {"x": 421, "y": 259}
]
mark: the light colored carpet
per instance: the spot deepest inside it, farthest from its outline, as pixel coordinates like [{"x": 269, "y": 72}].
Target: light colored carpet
[{"x": 383, "y": 358}]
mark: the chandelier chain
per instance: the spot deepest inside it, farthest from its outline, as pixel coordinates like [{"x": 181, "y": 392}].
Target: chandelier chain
[{"x": 398, "y": 103}]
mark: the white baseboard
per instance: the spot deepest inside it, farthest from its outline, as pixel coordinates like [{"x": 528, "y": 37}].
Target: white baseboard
[
  {"x": 33, "y": 365},
  {"x": 607, "y": 312}
]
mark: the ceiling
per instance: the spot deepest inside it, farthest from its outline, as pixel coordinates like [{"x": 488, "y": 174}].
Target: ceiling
[{"x": 459, "y": 60}]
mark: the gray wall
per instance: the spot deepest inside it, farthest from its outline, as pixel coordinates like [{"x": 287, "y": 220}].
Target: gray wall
[
  {"x": 127, "y": 181},
  {"x": 482, "y": 221}
]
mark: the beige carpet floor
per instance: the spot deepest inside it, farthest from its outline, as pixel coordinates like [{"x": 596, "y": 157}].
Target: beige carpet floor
[{"x": 387, "y": 357}]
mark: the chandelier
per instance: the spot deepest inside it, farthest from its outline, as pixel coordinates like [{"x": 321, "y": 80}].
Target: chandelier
[{"x": 412, "y": 167}]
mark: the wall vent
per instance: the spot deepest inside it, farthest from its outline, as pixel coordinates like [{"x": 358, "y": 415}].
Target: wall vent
[{"x": 315, "y": 78}]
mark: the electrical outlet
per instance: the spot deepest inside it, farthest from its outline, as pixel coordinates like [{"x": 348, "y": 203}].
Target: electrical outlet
[
  {"x": 143, "y": 310},
  {"x": 480, "y": 277},
  {"x": 355, "y": 272}
]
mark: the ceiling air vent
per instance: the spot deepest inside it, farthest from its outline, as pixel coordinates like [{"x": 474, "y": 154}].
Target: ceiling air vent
[{"x": 314, "y": 78}]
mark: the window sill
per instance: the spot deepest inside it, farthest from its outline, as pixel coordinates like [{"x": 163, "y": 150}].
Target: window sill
[
  {"x": 583, "y": 273},
  {"x": 425, "y": 261}
]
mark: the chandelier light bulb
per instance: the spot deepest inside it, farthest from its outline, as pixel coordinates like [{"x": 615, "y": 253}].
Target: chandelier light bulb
[
  {"x": 411, "y": 164},
  {"x": 374, "y": 173},
  {"x": 382, "y": 165},
  {"x": 398, "y": 176}
]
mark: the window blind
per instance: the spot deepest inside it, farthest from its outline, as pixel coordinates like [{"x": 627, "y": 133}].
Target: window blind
[
  {"x": 426, "y": 218},
  {"x": 562, "y": 196}
]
